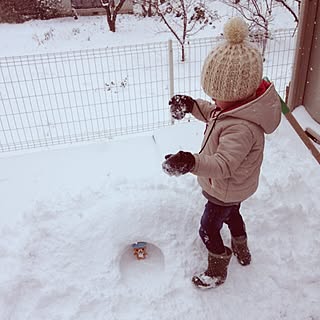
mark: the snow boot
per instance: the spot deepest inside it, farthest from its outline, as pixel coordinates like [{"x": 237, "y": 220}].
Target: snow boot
[
  {"x": 217, "y": 270},
  {"x": 240, "y": 250}
]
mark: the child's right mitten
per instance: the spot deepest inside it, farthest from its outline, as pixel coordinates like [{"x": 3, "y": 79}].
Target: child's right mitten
[{"x": 180, "y": 105}]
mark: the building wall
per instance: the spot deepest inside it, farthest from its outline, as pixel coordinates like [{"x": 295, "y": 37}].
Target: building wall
[
  {"x": 312, "y": 89},
  {"x": 94, "y": 7},
  {"x": 305, "y": 84},
  {"x": 67, "y": 8}
]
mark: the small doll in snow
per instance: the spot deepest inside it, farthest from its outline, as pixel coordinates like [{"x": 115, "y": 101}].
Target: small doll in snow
[{"x": 245, "y": 108}]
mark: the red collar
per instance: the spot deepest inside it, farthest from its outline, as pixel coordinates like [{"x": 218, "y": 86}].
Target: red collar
[{"x": 264, "y": 85}]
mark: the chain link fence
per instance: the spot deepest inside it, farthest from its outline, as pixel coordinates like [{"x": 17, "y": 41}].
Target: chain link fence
[{"x": 63, "y": 98}]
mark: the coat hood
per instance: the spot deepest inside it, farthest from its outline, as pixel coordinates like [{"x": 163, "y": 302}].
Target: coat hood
[{"x": 265, "y": 110}]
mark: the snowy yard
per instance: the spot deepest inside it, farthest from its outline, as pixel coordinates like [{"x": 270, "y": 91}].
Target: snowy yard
[{"x": 69, "y": 215}]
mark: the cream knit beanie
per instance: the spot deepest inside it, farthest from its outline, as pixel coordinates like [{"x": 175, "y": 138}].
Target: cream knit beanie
[{"x": 233, "y": 70}]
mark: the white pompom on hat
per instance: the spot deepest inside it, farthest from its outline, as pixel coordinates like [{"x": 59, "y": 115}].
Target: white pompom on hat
[{"x": 233, "y": 70}]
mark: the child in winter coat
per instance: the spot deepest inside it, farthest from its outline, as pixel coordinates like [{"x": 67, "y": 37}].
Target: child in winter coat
[{"x": 245, "y": 108}]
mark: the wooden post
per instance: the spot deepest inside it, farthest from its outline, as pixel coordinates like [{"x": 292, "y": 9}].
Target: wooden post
[
  {"x": 304, "y": 87},
  {"x": 301, "y": 66}
]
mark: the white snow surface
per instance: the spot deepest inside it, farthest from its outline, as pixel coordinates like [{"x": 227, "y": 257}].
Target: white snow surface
[{"x": 69, "y": 215}]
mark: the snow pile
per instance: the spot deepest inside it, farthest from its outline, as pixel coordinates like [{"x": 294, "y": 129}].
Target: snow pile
[{"x": 70, "y": 215}]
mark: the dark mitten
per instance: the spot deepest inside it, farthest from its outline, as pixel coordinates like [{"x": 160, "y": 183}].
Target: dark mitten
[
  {"x": 179, "y": 163},
  {"x": 180, "y": 105}
]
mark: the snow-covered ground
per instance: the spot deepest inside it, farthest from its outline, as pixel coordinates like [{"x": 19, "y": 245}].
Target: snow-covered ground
[
  {"x": 92, "y": 32},
  {"x": 70, "y": 214}
]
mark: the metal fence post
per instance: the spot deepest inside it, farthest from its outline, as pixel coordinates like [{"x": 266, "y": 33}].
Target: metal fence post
[{"x": 171, "y": 72}]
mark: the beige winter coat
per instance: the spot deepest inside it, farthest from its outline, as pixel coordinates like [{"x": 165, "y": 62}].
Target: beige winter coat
[{"x": 228, "y": 167}]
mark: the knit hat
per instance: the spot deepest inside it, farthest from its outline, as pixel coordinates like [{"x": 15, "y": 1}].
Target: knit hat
[{"x": 233, "y": 70}]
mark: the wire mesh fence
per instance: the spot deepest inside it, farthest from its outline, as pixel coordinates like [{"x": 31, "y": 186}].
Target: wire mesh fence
[{"x": 68, "y": 97}]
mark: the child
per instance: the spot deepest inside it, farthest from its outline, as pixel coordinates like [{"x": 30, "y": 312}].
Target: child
[{"x": 228, "y": 164}]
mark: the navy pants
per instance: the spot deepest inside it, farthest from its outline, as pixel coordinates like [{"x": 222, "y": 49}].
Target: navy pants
[{"x": 212, "y": 221}]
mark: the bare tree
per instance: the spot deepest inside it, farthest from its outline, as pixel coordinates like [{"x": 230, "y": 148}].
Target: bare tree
[
  {"x": 259, "y": 14},
  {"x": 185, "y": 18},
  {"x": 291, "y": 8},
  {"x": 112, "y": 9}
]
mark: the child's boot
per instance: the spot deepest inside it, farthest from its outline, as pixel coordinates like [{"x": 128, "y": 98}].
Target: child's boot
[
  {"x": 240, "y": 249},
  {"x": 217, "y": 270}
]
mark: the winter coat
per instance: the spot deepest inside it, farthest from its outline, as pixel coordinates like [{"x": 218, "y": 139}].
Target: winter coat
[{"x": 228, "y": 167}]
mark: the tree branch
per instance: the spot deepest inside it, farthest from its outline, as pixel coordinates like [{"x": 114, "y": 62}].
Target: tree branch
[{"x": 296, "y": 19}]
